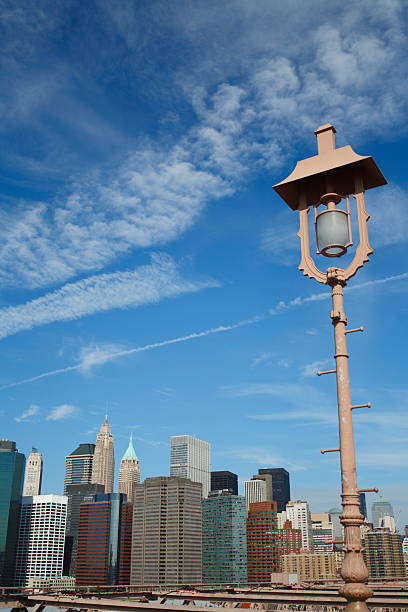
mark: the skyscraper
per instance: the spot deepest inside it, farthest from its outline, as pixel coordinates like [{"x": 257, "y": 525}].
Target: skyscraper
[
  {"x": 267, "y": 478},
  {"x": 40, "y": 550},
  {"x": 383, "y": 554},
  {"x": 322, "y": 532},
  {"x": 33, "y": 473},
  {"x": 298, "y": 513},
  {"x": 167, "y": 532},
  {"x": 79, "y": 466},
  {"x": 363, "y": 505},
  {"x": 280, "y": 485},
  {"x": 223, "y": 480},
  {"x": 11, "y": 484},
  {"x": 262, "y": 541},
  {"x": 190, "y": 458},
  {"x": 224, "y": 539},
  {"x": 255, "y": 491},
  {"x": 77, "y": 495},
  {"x": 104, "y": 540},
  {"x": 289, "y": 539},
  {"x": 379, "y": 509},
  {"x": 103, "y": 468},
  {"x": 129, "y": 471}
]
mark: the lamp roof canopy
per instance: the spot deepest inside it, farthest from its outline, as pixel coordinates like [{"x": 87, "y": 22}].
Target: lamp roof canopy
[{"x": 331, "y": 170}]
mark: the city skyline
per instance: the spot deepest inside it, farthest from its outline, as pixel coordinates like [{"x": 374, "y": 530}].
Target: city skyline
[{"x": 149, "y": 271}]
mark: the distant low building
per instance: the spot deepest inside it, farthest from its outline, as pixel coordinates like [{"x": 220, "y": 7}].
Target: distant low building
[
  {"x": 64, "y": 582},
  {"x": 312, "y": 566}
]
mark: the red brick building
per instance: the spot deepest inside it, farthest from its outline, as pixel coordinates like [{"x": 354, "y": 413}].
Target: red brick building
[
  {"x": 289, "y": 539},
  {"x": 262, "y": 541}
]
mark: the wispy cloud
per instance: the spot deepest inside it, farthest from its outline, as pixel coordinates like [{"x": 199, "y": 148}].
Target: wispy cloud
[
  {"x": 260, "y": 359},
  {"x": 282, "y": 306},
  {"x": 262, "y": 456},
  {"x": 27, "y": 414},
  {"x": 60, "y": 413},
  {"x": 146, "y": 284},
  {"x": 310, "y": 369}
]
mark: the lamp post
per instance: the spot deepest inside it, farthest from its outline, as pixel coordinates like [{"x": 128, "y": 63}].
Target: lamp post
[{"x": 329, "y": 179}]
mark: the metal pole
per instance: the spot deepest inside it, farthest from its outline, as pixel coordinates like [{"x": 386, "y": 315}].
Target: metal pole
[{"x": 354, "y": 570}]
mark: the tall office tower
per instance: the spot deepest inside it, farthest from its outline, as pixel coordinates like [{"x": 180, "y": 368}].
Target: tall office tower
[
  {"x": 255, "y": 491},
  {"x": 224, "y": 480},
  {"x": 11, "y": 484},
  {"x": 40, "y": 548},
  {"x": 363, "y": 505},
  {"x": 167, "y": 531},
  {"x": 129, "y": 471},
  {"x": 104, "y": 540},
  {"x": 383, "y": 554},
  {"x": 78, "y": 469},
  {"x": 322, "y": 532},
  {"x": 267, "y": 478},
  {"x": 33, "y": 473},
  {"x": 103, "y": 468},
  {"x": 190, "y": 458},
  {"x": 280, "y": 485},
  {"x": 289, "y": 539},
  {"x": 379, "y": 509},
  {"x": 334, "y": 514},
  {"x": 77, "y": 495},
  {"x": 224, "y": 538},
  {"x": 298, "y": 513},
  {"x": 262, "y": 541},
  {"x": 406, "y": 531}
]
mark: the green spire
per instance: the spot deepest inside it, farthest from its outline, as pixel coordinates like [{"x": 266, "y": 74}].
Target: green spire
[{"x": 130, "y": 451}]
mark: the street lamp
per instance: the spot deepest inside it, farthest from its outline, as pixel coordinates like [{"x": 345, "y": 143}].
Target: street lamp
[{"x": 331, "y": 179}]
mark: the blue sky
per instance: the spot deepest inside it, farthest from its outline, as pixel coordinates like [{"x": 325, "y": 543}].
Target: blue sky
[{"x": 147, "y": 268}]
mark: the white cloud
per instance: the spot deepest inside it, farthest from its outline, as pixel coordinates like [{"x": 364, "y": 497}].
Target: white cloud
[
  {"x": 262, "y": 457},
  {"x": 60, "y": 413},
  {"x": 310, "y": 369},
  {"x": 97, "y": 355},
  {"x": 27, "y": 414},
  {"x": 260, "y": 359},
  {"x": 144, "y": 285}
]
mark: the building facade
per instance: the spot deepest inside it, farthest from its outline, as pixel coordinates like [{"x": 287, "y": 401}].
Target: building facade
[
  {"x": 224, "y": 539},
  {"x": 11, "y": 484},
  {"x": 255, "y": 491},
  {"x": 298, "y": 513},
  {"x": 78, "y": 470},
  {"x": 77, "y": 495},
  {"x": 313, "y": 566},
  {"x": 289, "y": 539},
  {"x": 129, "y": 471},
  {"x": 280, "y": 485},
  {"x": 191, "y": 458},
  {"x": 41, "y": 538},
  {"x": 103, "y": 541},
  {"x": 33, "y": 474},
  {"x": 103, "y": 467},
  {"x": 378, "y": 510},
  {"x": 322, "y": 532},
  {"x": 262, "y": 541},
  {"x": 224, "y": 480},
  {"x": 167, "y": 532},
  {"x": 383, "y": 554}
]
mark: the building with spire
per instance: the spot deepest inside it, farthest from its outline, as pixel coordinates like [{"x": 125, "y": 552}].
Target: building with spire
[
  {"x": 129, "y": 471},
  {"x": 33, "y": 473},
  {"x": 103, "y": 468}
]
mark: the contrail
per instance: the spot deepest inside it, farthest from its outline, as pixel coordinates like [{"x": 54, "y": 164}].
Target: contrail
[
  {"x": 281, "y": 306},
  {"x": 140, "y": 349}
]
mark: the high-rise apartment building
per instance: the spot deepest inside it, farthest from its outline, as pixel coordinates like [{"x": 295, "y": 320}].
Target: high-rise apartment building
[
  {"x": 379, "y": 509},
  {"x": 167, "y": 532},
  {"x": 190, "y": 458},
  {"x": 280, "y": 485},
  {"x": 78, "y": 469},
  {"x": 224, "y": 480},
  {"x": 103, "y": 468},
  {"x": 298, "y": 513},
  {"x": 33, "y": 473},
  {"x": 129, "y": 471},
  {"x": 77, "y": 495},
  {"x": 255, "y": 491},
  {"x": 104, "y": 540},
  {"x": 383, "y": 554},
  {"x": 322, "y": 532},
  {"x": 11, "y": 484},
  {"x": 262, "y": 541},
  {"x": 41, "y": 537},
  {"x": 224, "y": 539},
  {"x": 289, "y": 539}
]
